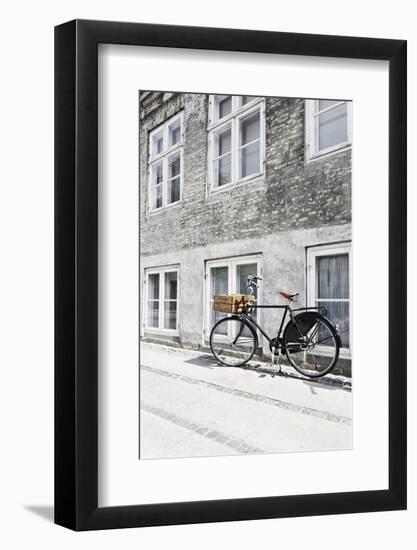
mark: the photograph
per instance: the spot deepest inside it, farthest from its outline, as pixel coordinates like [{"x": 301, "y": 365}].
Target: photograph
[
  {"x": 206, "y": 254},
  {"x": 245, "y": 266}
]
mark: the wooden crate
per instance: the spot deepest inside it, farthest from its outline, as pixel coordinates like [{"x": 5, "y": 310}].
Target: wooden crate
[{"x": 231, "y": 303}]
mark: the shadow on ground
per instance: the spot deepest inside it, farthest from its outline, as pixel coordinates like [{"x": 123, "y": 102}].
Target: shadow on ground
[
  {"x": 207, "y": 361},
  {"x": 332, "y": 383}
]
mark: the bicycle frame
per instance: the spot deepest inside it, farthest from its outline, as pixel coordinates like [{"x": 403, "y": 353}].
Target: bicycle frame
[{"x": 288, "y": 309}]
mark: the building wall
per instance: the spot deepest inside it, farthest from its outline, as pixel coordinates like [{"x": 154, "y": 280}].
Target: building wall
[{"x": 291, "y": 195}]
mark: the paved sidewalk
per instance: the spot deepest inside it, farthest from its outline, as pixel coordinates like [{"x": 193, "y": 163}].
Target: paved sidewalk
[{"x": 191, "y": 406}]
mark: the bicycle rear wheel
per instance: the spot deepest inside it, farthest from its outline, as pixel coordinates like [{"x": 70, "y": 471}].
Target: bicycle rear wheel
[
  {"x": 233, "y": 342},
  {"x": 312, "y": 352}
]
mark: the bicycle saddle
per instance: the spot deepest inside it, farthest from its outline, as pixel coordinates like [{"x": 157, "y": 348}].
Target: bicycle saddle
[{"x": 288, "y": 295}]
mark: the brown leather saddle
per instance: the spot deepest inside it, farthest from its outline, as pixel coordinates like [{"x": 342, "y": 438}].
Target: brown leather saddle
[{"x": 288, "y": 295}]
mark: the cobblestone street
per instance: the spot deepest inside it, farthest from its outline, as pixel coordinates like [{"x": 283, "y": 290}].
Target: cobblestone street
[{"x": 191, "y": 406}]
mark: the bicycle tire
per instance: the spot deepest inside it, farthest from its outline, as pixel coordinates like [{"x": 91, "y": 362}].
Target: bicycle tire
[
  {"x": 225, "y": 351},
  {"x": 293, "y": 350}
]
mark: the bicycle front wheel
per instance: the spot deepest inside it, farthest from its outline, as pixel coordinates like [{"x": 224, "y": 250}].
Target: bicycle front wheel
[
  {"x": 312, "y": 352},
  {"x": 233, "y": 342}
]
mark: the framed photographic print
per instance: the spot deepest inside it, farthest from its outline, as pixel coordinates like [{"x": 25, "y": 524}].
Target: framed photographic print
[{"x": 230, "y": 275}]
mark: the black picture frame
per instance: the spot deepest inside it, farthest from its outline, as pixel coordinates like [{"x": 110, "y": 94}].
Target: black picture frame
[{"x": 76, "y": 272}]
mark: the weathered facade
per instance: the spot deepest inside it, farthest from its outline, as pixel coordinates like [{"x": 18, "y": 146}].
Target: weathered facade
[{"x": 241, "y": 186}]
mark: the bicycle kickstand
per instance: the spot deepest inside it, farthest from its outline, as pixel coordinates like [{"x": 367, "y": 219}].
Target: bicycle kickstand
[{"x": 273, "y": 359}]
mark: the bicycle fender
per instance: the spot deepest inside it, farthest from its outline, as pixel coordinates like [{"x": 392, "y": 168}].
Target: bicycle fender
[{"x": 301, "y": 324}]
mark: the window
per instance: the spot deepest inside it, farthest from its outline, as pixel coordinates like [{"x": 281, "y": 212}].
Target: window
[
  {"x": 165, "y": 164},
  {"x": 249, "y": 146},
  {"x": 228, "y": 276},
  {"x": 223, "y": 157},
  {"x": 236, "y": 139},
  {"x": 328, "y": 126},
  {"x": 329, "y": 285},
  {"x": 161, "y": 299}
]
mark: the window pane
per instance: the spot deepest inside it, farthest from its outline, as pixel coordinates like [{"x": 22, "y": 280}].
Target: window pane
[
  {"x": 174, "y": 166},
  {"x": 225, "y": 106},
  {"x": 248, "y": 98},
  {"x": 224, "y": 170},
  {"x": 250, "y": 159},
  {"x": 153, "y": 313},
  {"x": 157, "y": 143},
  {"x": 156, "y": 198},
  {"x": 153, "y": 286},
  {"x": 338, "y": 314},
  {"x": 175, "y": 133},
  {"x": 224, "y": 142},
  {"x": 216, "y": 316},
  {"x": 250, "y": 128},
  {"x": 333, "y": 276},
  {"x": 171, "y": 285},
  {"x": 324, "y": 103},
  {"x": 157, "y": 174},
  {"x": 242, "y": 272},
  {"x": 223, "y": 165},
  {"x": 219, "y": 280},
  {"x": 174, "y": 190},
  {"x": 170, "y": 315},
  {"x": 333, "y": 127},
  {"x": 156, "y": 192}
]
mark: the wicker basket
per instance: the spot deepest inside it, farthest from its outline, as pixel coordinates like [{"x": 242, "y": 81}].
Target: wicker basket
[{"x": 232, "y": 303}]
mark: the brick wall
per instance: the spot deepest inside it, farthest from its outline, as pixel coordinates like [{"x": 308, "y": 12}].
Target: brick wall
[{"x": 291, "y": 195}]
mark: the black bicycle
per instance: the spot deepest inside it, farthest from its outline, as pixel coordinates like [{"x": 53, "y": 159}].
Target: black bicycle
[{"x": 309, "y": 340}]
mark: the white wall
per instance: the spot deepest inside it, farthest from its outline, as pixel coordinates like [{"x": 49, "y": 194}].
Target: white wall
[
  {"x": 26, "y": 299},
  {"x": 273, "y": 252}
]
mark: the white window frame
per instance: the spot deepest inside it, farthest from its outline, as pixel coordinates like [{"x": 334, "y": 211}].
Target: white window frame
[
  {"x": 231, "y": 263},
  {"x": 164, "y": 157},
  {"x": 161, "y": 272},
  {"x": 329, "y": 250},
  {"x": 233, "y": 120},
  {"x": 311, "y": 130}
]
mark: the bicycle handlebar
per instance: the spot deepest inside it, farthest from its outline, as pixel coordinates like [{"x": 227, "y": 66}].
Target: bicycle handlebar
[
  {"x": 252, "y": 280},
  {"x": 254, "y": 277}
]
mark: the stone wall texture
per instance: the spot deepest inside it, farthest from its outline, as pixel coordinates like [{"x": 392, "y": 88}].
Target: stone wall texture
[{"x": 291, "y": 195}]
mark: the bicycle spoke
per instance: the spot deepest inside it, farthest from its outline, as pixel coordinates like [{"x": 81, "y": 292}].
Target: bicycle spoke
[
  {"x": 310, "y": 338},
  {"x": 324, "y": 340},
  {"x": 317, "y": 353}
]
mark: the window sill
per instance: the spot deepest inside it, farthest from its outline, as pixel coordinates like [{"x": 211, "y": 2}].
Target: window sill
[
  {"x": 165, "y": 208},
  {"x": 161, "y": 331},
  {"x": 328, "y": 153},
  {"x": 256, "y": 178}
]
